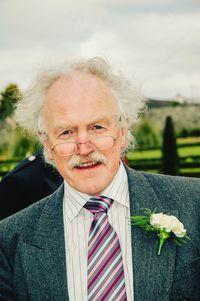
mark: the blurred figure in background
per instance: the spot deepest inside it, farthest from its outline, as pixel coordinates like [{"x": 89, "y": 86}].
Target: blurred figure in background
[{"x": 31, "y": 180}]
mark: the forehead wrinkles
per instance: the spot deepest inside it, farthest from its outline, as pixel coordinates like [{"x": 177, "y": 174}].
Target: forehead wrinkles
[
  {"x": 76, "y": 82},
  {"x": 70, "y": 95},
  {"x": 73, "y": 82}
]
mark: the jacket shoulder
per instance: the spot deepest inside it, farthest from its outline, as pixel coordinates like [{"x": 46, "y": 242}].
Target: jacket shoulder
[
  {"x": 173, "y": 191},
  {"x": 164, "y": 180},
  {"x": 24, "y": 164},
  {"x": 179, "y": 182}
]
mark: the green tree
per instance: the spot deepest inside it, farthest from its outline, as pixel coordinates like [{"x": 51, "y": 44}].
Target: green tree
[
  {"x": 14, "y": 143},
  {"x": 170, "y": 160},
  {"x": 146, "y": 136},
  {"x": 8, "y": 99}
]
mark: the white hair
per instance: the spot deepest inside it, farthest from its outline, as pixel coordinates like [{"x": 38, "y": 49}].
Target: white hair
[{"x": 29, "y": 111}]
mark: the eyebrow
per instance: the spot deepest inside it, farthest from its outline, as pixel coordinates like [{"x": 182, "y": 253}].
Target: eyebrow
[
  {"x": 100, "y": 119},
  {"x": 63, "y": 125}
]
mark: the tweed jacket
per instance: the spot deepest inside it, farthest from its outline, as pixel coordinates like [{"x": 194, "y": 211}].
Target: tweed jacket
[{"x": 32, "y": 252}]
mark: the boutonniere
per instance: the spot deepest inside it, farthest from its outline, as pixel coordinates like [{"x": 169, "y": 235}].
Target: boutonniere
[{"x": 164, "y": 225}]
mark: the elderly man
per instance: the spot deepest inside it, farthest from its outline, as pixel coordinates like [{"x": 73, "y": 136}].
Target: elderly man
[{"x": 78, "y": 243}]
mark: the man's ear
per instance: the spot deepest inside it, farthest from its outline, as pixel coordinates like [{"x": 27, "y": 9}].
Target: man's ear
[
  {"x": 48, "y": 150},
  {"x": 46, "y": 146},
  {"x": 124, "y": 132}
]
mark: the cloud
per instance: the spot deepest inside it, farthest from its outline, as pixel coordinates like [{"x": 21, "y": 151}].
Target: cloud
[
  {"x": 155, "y": 42},
  {"x": 154, "y": 48}
]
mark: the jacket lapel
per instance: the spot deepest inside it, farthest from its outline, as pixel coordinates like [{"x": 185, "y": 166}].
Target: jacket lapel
[
  {"x": 152, "y": 274},
  {"x": 43, "y": 256}
]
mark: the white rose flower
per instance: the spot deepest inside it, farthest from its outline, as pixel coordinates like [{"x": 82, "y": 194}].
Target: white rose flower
[
  {"x": 169, "y": 223},
  {"x": 156, "y": 219},
  {"x": 179, "y": 230}
]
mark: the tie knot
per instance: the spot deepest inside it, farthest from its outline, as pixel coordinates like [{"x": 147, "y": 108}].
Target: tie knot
[{"x": 98, "y": 204}]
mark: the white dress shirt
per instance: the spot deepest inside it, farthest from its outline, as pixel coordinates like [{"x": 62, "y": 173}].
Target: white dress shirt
[{"x": 77, "y": 221}]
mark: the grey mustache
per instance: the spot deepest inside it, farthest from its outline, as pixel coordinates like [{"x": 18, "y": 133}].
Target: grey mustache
[{"x": 95, "y": 157}]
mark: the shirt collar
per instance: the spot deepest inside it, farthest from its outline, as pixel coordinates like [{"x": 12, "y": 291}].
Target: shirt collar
[{"x": 117, "y": 190}]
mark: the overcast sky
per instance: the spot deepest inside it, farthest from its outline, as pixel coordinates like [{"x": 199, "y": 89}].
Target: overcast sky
[{"x": 155, "y": 42}]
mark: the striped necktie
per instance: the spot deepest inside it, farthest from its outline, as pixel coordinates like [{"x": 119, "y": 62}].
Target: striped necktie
[{"x": 105, "y": 266}]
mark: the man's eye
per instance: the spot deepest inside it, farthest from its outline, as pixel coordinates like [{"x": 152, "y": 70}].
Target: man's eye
[
  {"x": 66, "y": 132},
  {"x": 97, "y": 127}
]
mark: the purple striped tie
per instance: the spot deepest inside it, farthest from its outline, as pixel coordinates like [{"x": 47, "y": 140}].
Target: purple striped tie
[{"x": 105, "y": 266}]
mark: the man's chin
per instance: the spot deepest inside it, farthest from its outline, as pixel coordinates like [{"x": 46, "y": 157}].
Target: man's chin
[{"x": 91, "y": 183}]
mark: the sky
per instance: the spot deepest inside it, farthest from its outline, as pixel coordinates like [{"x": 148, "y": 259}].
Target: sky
[{"x": 155, "y": 43}]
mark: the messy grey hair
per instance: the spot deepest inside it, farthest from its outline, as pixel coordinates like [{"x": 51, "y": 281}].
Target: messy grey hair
[{"x": 29, "y": 111}]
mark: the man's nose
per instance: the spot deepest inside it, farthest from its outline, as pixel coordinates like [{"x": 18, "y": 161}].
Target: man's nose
[{"x": 84, "y": 148}]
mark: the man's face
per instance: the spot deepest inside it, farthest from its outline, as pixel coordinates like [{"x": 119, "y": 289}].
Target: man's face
[{"x": 79, "y": 109}]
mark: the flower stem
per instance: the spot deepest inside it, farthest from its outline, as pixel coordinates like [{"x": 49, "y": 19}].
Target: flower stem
[
  {"x": 161, "y": 243},
  {"x": 162, "y": 237}
]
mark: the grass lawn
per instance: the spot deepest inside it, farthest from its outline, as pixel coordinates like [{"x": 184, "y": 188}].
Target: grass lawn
[
  {"x": 188, "y": 140},
  {"x": 189, "y": 151},
  {"x": 144, "y": 154},
  {"x": 190, "y": 170},
  {"x": 186, "y": 151}
]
